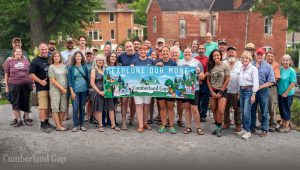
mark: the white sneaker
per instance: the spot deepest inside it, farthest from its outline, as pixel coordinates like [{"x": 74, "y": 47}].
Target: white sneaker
[
  {"x": 241, "y": 132},
  {"x": 246, "y": 135}
]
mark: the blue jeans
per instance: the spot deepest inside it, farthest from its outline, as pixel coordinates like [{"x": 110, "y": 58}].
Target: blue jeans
[
  {"x": 245, "y": 108},
  {"x": 261, "y": 98},
  {"x": 79, "y": 106},
  {"x": 285, "y": 104},
  {"x": 203, "y": 100}
]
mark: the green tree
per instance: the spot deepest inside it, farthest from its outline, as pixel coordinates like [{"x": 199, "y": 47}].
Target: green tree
[
  {"x": 289, "y": 8},
  {"x": 140, "y": 6},
  {"x": 36, "y": 21},
  {"x": 169, "y": 83}
]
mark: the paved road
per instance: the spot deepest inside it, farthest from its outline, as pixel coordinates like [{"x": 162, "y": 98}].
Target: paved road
[{"x": 149, "y": 150}]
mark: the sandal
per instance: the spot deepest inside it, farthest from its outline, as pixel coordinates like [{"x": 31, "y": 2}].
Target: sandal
[
  {"x": 101, "y": 129},
  {"x": 27, "y": 122},
  {"x": 156, "y": 118},
  {"x": 116, "y": 128},
  {"x": 180, "y": 123},
  {"x": 162, "y": 129},
  {"x": 149, "y": 121},
  {"x": 172, "y": 130},
  {"x": 200, "y": 131},
  {"x": 187, "y": 130}
]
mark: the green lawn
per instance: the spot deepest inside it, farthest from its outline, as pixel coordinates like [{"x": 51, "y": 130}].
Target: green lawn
[{"x": 3, "y": 101}]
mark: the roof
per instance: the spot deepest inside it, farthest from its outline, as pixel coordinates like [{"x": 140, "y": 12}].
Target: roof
[
  {"x": 182, "y": 5},
  {"x": 111, "y": 6},
  {"x": 227, "y": 5}
]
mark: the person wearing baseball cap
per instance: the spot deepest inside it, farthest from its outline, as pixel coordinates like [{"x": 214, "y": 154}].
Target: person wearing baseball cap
[
  {"x": 266, "y": 79},
  {"x": 51, "y": 47},
  {"x": 68, "y": 53},
  {"x": 251, "y": 48},
  {"x": 222, "y": 45},
  {"x": 233, "y": 90}
]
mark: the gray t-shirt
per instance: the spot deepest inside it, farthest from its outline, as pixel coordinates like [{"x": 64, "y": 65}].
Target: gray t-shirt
[
  {"x": 60, "y": 74},
  {"x": 217, "y": 75}
]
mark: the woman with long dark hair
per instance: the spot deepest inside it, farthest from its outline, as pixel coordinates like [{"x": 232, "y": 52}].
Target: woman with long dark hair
[{"x": 217, "y": 80}]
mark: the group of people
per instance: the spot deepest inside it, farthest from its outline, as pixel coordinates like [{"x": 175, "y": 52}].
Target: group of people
[{"x": 250, "y": 84}]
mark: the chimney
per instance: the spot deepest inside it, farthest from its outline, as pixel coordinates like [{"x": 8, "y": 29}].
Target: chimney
[
  {"x": 121, "y": 5},
  {"x": 237, "y": 3}
]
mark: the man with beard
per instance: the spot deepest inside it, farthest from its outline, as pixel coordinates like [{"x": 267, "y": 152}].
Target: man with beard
[
  {"x": 125, "y": 59},
  {"x": 51, "y": 47},
  {"x": 204, "y": 91},
  {"x": 223, "y": 48},
  {"x": 67, "y": 54},
  {"x": 233, "y": 90}
]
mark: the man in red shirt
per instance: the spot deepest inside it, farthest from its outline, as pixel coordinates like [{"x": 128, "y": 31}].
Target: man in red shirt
[{"x": 204, "y": 91}]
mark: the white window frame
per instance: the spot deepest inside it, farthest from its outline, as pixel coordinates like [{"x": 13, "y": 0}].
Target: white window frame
[
  {"x": 268, "y": 26},
  {"x": 113, "y": 17},
  {"x": 114, "y": 34},
  {"x": 182, "y": 28},
  {"x": 154, "y": 20}
]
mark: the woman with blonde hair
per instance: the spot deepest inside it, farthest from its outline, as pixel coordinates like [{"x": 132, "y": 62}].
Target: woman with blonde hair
[
  {"x": 100, "y": 103},
  {"x": 249, "y": 85}
]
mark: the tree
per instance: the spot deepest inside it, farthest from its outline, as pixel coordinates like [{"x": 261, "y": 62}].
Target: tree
[
  {"x": 36, "y": 21},
  {"x": 169, "y": 83},
  {"x": 289, "y": 8}
]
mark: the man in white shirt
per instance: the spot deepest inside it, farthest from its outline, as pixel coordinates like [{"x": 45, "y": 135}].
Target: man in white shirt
[
  {"x": 233, "y": 90},
  {"x": 67, "y": 54}
]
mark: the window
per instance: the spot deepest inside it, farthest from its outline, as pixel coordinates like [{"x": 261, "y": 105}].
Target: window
[
  {"x": 97, "y": 17},
  {"x": 129, "y": 33},
  {"x": 100, "y": 35},
  {"x": 112, "y": 34},
  {"x": 268, "y": 25},
  {"x": 111, "y": 17},
  {"x": 213, "y": 30},
  {"x": 182, "y": 28},
  {"x": 154, "y": 24},
  {"x": 203, "y": 26},
  {"x": 96, "y": 35}
]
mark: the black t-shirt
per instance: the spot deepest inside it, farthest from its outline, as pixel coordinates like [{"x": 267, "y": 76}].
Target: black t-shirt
[
  {"x": 39, "y": 67},
  {"x": 126, "y": 60},
  {"x": 146, "y": 62},
  {"x": 168, "y": 63}
]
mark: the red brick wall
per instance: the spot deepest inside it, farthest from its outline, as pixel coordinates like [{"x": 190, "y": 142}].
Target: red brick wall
[
  {"x": 232, "y": 27},
  {"x": 123, "y": 22},
  {"x": 154, "y": 10}
]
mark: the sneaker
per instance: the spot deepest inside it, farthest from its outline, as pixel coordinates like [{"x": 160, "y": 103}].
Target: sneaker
[
  {"x": 219, "y": 132},
  {"x": 45, "y": 129},
  {"x": 51, "y": 126},
  {"x": 246, "y": 135},
  {"x": 172, "y": 130},
  {"x": 75, "y": 129},
  {"x": 203, "y": 119},
  {"x": 214, "y": 132},
  {"x": 271, "y": 129},
  {"x": 162, "y": 129},
  {"x": 264, "y": 134},
  {"x": 241, "y": 133},
  {"x": 13, "y": 122},
  {"x": 18, "y": 124},
  {"x": 82, "y": 128}
]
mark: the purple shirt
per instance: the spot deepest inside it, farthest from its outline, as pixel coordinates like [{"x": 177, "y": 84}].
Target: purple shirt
[
  {"x": 18, "y": 71},
  {"x": 265, "y": 73}
]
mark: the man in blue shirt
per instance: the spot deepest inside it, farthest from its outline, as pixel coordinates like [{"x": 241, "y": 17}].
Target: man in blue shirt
[
  {"x": 266, "y": 79},
  {"x": 125, "y": 59}
]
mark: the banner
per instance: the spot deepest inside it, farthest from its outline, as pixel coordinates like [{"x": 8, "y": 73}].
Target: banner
[{"x": 154, "y": 81}]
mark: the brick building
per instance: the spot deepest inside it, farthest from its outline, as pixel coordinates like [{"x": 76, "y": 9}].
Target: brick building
[
  {"x": 114, "y": 23},
  {"x": 233, "y": 20}
]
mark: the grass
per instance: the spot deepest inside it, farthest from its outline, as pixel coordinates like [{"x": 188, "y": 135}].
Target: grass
[{"x": 3, "y": 101}]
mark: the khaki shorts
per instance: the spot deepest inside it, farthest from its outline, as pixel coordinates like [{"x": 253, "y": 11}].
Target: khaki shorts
[
  {"x": 43, "y": 99},
  {"x": 59, "y": 102}
]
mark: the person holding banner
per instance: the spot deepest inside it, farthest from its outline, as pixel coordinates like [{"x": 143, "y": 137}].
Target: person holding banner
[
  {"x": 191, "y": 105},
  {"x": 217, "y": 80},
  {"x": 166, "y": 104},
  {"x": 125, "y": 59},
  {"x": 142, "y": 103},
  {"x": 100, "y": 103}
]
